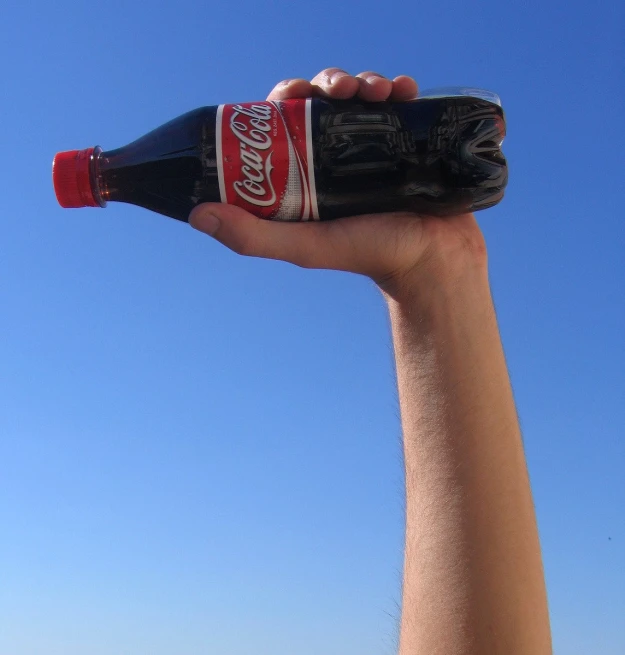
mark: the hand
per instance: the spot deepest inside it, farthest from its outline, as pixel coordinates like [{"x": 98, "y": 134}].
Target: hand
[{"x": 389, "y": 248}]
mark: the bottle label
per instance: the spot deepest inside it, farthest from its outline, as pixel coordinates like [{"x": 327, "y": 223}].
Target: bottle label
[{"x": 265, "y": 159}]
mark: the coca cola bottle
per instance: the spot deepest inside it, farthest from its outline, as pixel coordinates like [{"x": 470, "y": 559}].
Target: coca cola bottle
[{"x": 307, "y": 159}]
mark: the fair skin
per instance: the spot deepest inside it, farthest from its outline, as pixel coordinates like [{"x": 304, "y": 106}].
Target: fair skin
[{"x": 473, "y": 581}]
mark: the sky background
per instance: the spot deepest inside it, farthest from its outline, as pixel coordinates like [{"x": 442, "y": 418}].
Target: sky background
[{"x": 200, "y": 453}]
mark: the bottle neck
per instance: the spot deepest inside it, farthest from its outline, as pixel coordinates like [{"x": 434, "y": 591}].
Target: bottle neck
[{"x": 95, "y": 178}]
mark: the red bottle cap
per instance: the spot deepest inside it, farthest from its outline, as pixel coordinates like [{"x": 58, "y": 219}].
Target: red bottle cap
[{"x": 71, "y": 178}]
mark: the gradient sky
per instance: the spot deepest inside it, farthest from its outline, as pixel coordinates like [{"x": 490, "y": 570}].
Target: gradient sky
[{"x": 200, "y": 453}]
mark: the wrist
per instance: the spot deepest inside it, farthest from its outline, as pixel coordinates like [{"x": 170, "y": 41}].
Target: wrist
[
  {"x": 453, "y": 253},
  {"x": 440, "y": 274}
]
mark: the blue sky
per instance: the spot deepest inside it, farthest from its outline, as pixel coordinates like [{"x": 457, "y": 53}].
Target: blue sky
[{"x": 200, "y": 453}]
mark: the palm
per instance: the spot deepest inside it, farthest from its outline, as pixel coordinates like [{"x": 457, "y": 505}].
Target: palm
[
  {"x": 388, "y": 246},
  {"x": 385, "y": 247}
]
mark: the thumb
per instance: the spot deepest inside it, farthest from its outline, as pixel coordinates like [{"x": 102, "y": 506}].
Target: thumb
[{"x": 305, "y": 244}]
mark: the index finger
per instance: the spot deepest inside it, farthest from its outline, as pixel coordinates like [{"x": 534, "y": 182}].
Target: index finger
[
  {"x": 294, "y": 88},
  {"x": 329, "y": 83}
]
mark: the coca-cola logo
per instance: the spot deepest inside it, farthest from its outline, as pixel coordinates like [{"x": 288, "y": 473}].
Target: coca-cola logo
[
  {"x": 252, "y": 127},
  {"x": 264, "y": 155}
]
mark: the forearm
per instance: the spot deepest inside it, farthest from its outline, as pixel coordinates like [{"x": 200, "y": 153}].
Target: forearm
[{"x": 473, "y": 580}]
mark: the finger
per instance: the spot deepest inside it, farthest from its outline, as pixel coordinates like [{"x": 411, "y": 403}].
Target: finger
[
  {"x": 309, "y": 245},
  {"x": 248, "y": 235},
  {"x": 404, "y": 88},
  {"x": 335, "y": 83},
  {"x": 374, "y": 87},
  {"x": 295, "y": 88}
]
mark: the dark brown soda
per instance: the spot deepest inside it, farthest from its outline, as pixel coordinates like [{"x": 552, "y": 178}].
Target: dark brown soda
[{"x": 434, "y": 156}]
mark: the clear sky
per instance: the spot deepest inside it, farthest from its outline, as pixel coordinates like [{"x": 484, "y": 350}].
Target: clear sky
[{"x": 200, "y": 453}]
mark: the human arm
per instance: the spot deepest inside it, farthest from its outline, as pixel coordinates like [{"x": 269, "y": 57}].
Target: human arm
[{"x": 473, "y": 581}]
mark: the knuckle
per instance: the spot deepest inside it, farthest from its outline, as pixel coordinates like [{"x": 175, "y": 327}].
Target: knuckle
[
  {"x": 312, "y": 249},
  {"x": 304, "y": 257},
  {"x": 243, "y": 244},
  {"x": 325, "y": 76},
  {"x": 367, "y": 74},
  {"x": 281, "y": 86},
  {"x": 330, "y": 71},
  {"x": 303, "y": 262}
]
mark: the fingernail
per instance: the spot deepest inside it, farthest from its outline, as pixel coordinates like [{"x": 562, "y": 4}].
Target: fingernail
[
  {"x": 335, "y": 77},
  {"x": 204, "y": 220}
]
